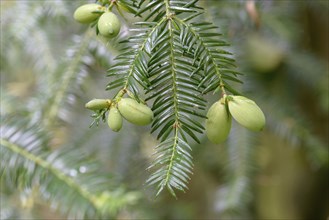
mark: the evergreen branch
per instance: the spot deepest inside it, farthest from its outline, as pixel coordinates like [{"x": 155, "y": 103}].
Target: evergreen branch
[
  {"x": 171, "y": 161},
  {"x": 167, "y": 181},
  {"x": 139, "y": 52},
  {"x": 176, "y": 92},
  {"x": 177, "y": 97},
  {"x": 47, "y": 166},
  {"x": 174, "y": 164},
  {"x": 209, "y": 55},
  {"x": 173, "y": 61},
  {"x": 69, "y": 180},
  {"x": 131, "y": 67},
  {"x": 173, "y": 71}
]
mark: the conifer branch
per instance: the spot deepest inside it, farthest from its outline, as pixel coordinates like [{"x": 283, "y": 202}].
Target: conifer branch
[
  {"x": 138, "y": 55},
  {"x": 47, "y": 166}
]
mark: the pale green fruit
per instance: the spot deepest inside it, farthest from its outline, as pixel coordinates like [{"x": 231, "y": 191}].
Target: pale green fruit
[
  {"x": 218, "y": 123},
  {"x": 87, "y": 13},
  {"x": 114, "y": 119},
  {"x": 246, "y": 112},
  {"x": 135, "y": 112},
  {"x": 109, "y": 25},
  {"x": 98, "y": 104}
]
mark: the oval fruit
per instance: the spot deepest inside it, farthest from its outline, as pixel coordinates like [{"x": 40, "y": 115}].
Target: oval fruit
[
  {"x": 135, "y": 112},
  {"x": 87, "y": 13},
  {"x": 109, "y": 25},
  {"x": 98, "y": 104},
  {"x": 114, "y": 119},
  {"x": 218, "y": 123},
  {"x": 246, "y": 112}
]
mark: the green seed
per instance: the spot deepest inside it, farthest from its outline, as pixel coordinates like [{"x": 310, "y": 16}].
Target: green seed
[
  {"x": 246, "y": 112},
  {"x": 109, "y": 25},
  {"x": 114, "y": 119},
  {"x": 135, "y": 112},
  {"x": 218, "y": 123},
  {"x": 88, "y": 13},
  {"x": 98, "y": 104}
]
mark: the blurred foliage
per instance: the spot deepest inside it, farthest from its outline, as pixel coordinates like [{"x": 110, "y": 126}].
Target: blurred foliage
[{"x": 52, "y": 165}]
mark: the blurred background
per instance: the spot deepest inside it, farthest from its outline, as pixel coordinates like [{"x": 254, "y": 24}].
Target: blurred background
[{"x": 53, "y": 166}]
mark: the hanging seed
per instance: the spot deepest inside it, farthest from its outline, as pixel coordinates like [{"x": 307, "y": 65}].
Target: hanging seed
[
  {"x": 109, "y": 25},
  {"x": 218, "y": 123},
  {"x": 88, "y": 13},
  {"x": 246, "y": 112},
  {"x": 135, "y": 112},
  {"x": 114, "y": 119}
]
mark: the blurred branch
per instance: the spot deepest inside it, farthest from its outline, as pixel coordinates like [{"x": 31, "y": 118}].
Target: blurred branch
[
  {"x": 235, "y": 196},
  {"x": 68, "y": 76},
  {"x": 46, "y": 165}
]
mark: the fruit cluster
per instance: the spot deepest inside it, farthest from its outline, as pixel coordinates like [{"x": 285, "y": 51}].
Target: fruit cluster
[
  {"x": 108, "y": 24},
  {"x": 128, "y": 108},
  {"x": 219, "y": 117}
]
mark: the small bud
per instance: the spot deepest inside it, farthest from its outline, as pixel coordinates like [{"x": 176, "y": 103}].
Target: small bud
[
  {"x": 246, "y": 112},
  {"x": 218, "y": 123},
  {"x": 98, "y": 104}
]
